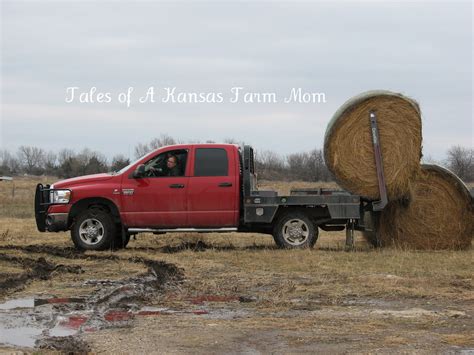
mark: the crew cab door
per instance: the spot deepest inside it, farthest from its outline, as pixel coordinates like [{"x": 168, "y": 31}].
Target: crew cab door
[
  {"x": 213, "y": 190},
  {"x": 157, "y": 199}
]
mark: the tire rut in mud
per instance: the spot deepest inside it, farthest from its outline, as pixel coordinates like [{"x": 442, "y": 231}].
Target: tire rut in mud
[
  {"x": 36, "y": 269},
  {"x": 66, "y": 345},
  {"x": 42, "y": 269}
]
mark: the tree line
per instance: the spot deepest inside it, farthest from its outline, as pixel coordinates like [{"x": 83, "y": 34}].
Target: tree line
[{"x": 304, "y": 166}]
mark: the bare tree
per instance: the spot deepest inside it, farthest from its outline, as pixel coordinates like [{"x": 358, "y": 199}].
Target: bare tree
[
  {"x": 66, "y": 163},
  {"x": 118, "y": 162},
  {"x": 143, "y": 148},
  {"x": 90, "y": 162},
  {"x": 50, "y": 162},
  {"x": 270, "y": 165},
  {"x": 31, "y": 158},
  {"x": 65, "y": 154},
  {"x": 162, "y": 141},
  {"x": 460, "y": 161},
  {"x": 319, "y": 170},
  {"x": 234, "y": 141},
  {"x": 299, "y": 165},
  {"x": 8, "y": 163}
]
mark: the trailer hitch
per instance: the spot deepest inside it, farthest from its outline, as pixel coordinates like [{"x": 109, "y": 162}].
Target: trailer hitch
[{"x": 378, "y": 205}]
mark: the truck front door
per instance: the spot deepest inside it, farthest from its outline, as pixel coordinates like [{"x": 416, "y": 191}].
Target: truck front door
[{"x": 159, "y": 198}]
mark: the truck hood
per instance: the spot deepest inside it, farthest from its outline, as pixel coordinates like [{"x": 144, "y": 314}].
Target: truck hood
[{"x": 87, "y": 179}]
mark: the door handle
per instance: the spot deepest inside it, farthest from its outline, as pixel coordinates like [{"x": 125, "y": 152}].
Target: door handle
[
  {"x": 225, "y": 184},
  {"x": 177, "y": 186}
]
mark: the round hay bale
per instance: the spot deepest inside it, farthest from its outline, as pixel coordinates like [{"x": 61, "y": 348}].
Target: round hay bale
[
  {"x": 348, "y": 149},
  {"x": 439, "y": 215}
]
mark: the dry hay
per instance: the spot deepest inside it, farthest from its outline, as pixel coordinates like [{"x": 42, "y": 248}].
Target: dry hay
[
  {"x": 348, "y": 148},
  {"x": 439, "y": 215}
]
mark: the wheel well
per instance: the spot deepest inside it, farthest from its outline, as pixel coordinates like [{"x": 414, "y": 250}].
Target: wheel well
[
  {"x": 99, "y": 202},
  {"x": 314, "y": 213}
]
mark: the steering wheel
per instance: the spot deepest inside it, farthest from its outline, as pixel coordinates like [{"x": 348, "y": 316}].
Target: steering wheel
[{"x": 153, "y": 172}]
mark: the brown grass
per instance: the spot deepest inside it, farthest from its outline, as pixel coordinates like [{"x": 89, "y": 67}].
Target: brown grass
[
  {"x": 17, "y": 196},
  {"x": 323, "y": 300},
  {"x": 242, "y": 263},
  {"x": 246, "y": 261}
]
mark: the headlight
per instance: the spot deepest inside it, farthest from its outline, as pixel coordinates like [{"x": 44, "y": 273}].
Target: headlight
[{"x": 59, "y": 196}]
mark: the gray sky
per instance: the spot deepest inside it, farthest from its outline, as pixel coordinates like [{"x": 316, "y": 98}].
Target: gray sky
[{"x": 422, "y": 49}]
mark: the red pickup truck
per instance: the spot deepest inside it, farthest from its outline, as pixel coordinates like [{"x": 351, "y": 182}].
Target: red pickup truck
[{"x": 189, "y": 187}]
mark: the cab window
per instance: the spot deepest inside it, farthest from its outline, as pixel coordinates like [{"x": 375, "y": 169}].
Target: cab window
[
  {"x": 168, "y": 164},
  {"x": 211, "y": 162}
]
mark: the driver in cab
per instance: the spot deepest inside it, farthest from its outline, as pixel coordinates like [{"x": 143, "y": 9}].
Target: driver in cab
[
  {"x": 172, "y": 165},
  {"x": 172, "y": 168}
]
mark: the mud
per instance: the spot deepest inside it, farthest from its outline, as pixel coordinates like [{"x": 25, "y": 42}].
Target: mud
[
  {"x": 41, "y": 269},
  {"x": 200, "y": 246},
  {"x": 63, "y": 252},
  {"x": 54, "y": 323},
  {"x": 38, "y": 268},
  {"x": 193, "y": 316},
  {"x": 67, "y": 344},
  {"x": 72, "y": 253}
]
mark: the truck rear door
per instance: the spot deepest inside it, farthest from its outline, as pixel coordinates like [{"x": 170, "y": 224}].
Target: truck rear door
[{"x": 213, "y": 190}]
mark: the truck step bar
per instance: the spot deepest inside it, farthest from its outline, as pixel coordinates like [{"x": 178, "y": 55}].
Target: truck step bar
[{"x": 169, "y": 230}]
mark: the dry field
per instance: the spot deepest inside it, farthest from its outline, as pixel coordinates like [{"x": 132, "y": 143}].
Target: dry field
[{"x": 232, "y": 293}]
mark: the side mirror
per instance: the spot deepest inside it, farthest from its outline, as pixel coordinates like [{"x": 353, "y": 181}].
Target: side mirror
[{"x": 139, "y": 172}]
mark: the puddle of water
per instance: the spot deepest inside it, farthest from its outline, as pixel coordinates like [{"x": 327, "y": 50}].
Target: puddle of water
[
  {"x": 18, "y": 303},
  {"x": 59, "y": 331},
  {"x": 19, "y": 336},
  {"x": 35, "y": 302},
  {"x": 20, "y": 326}
]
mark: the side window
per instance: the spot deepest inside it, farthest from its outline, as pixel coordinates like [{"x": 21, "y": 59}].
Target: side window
[
  {"x": 168, "y": 164},
  {"x": 211, "y": 162}
]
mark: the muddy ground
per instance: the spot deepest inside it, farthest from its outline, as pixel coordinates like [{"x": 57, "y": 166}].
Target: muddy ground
[
  {"x": 231, "y": 293},
  {"x": 225, "y": 293}
]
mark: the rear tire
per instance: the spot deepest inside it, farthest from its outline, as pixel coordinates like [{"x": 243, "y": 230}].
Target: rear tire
[
  {"x": 294, "y": 230},
  {"x": 93, "y": 229}
]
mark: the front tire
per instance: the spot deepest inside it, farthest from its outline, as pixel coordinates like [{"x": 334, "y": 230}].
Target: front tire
[
  {"x": 294, "y": 230},
  {"x": 93, "y": 229}
]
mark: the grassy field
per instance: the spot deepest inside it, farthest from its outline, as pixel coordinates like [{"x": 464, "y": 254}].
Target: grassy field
[{"x": 237, "y": 293}]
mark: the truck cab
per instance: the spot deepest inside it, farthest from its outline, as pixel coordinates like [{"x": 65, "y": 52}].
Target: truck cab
[{"x": 188, "y": 187}]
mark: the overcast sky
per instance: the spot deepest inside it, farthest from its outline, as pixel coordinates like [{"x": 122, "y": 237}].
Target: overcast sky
[{"x": 422, "y": 49}]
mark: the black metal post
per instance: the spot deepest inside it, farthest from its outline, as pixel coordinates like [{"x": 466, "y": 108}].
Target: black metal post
[{"x": 378, "y": 205}]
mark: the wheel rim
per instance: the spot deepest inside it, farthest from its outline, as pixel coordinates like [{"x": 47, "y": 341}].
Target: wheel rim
[
  {"x": 295, "y": 231},
  {"x": 91, "y": 231}
]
